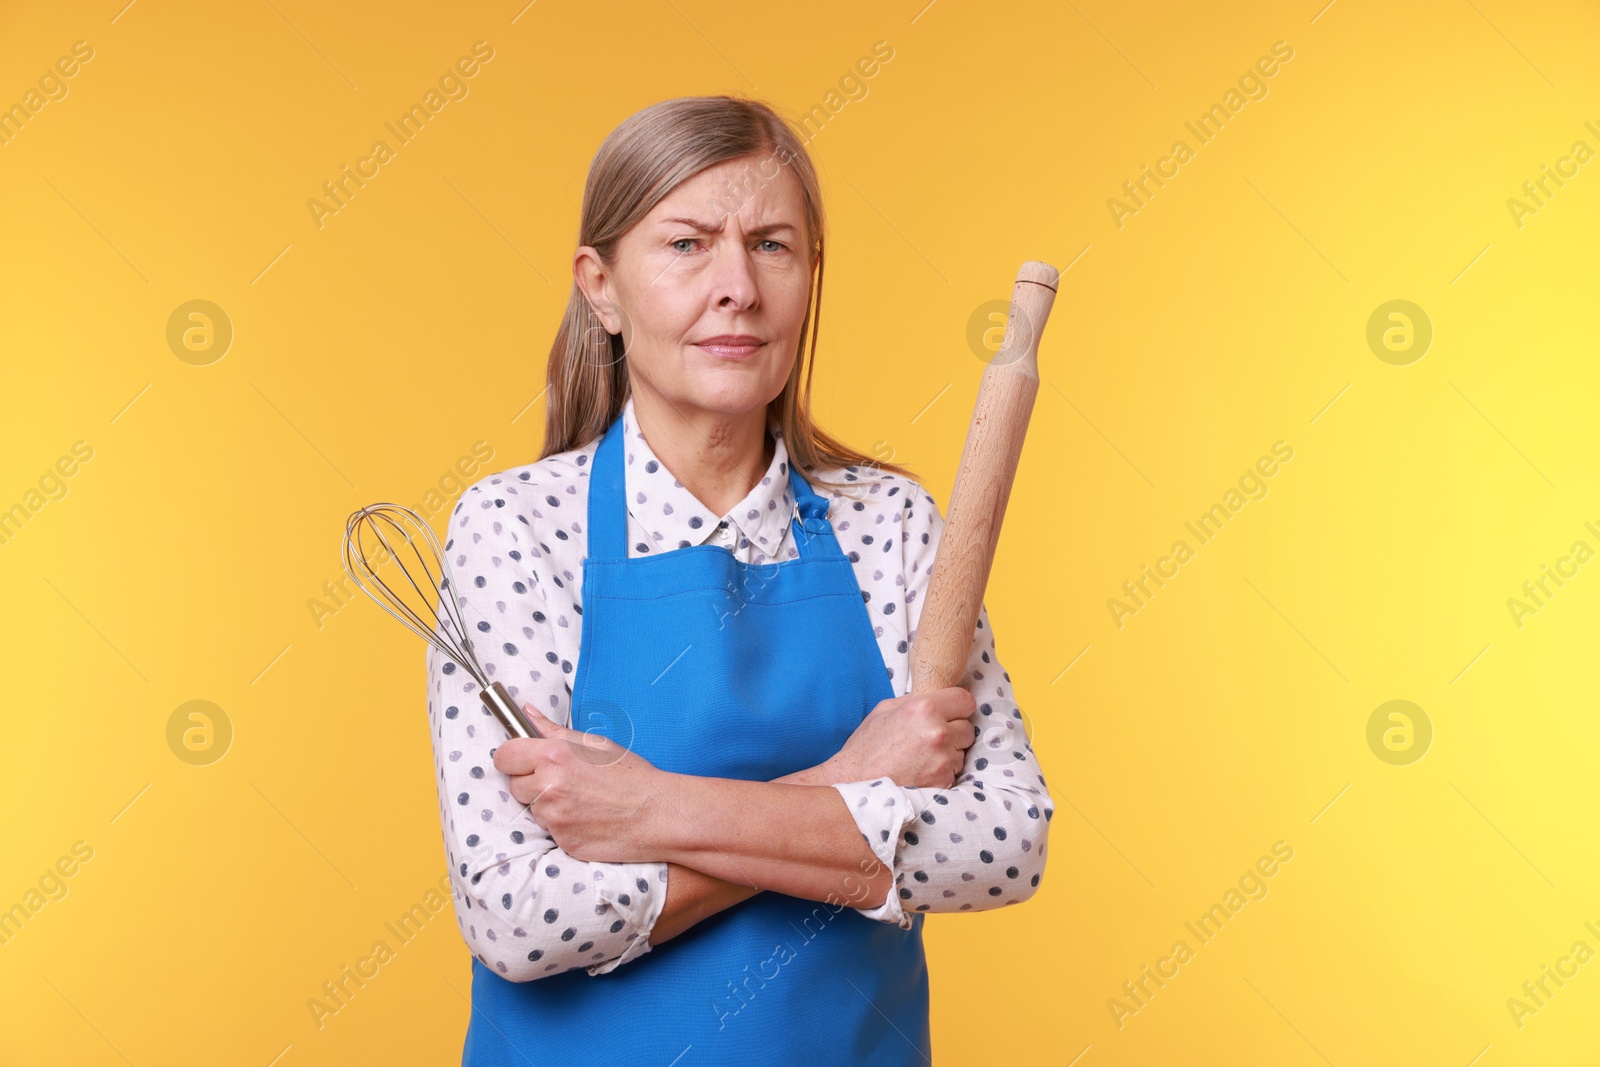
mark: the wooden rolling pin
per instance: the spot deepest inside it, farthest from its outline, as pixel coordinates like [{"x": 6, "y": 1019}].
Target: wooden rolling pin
[{"x": 961, "y": 565}]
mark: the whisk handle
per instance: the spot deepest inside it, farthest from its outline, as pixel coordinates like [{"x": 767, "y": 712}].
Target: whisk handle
[{"x": 502, "y": 707}]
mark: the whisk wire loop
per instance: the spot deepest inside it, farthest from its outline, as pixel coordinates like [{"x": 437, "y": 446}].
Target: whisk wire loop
[{"x": 431, "y": 581}]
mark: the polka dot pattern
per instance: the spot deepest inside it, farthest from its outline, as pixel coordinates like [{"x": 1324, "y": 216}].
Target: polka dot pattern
[{"x": 516, "y": 542}]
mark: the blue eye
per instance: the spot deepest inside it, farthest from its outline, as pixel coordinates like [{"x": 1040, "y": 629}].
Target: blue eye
[{"x": 680, "y": 241}]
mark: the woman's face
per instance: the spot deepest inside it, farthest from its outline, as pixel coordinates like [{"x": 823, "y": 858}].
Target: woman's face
[{"x": 711, "y": 261}]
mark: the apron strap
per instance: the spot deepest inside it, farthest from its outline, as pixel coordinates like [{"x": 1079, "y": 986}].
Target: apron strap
[
  {"x": 608, "y": 525},
  {"x": 813, "y": 533}
]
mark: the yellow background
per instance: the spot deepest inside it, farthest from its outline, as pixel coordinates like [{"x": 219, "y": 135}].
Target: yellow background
[{"x": 1229, "y": 313}]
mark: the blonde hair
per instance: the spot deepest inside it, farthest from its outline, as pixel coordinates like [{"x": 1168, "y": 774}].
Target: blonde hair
[{"x": 651, "y": 153}]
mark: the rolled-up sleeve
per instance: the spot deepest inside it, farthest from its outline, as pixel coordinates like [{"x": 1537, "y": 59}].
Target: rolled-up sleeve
[
  {"x": 526, "y": 909},
  {"x": 980, "y": 844}
]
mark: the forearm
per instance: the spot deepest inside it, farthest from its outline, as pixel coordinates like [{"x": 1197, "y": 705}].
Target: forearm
[
  {"x": 793, "y": 835},
  {"x": 694, "y": 895}
]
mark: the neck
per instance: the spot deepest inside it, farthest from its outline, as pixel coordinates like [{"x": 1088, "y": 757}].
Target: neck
[{"x": 719, "y": 457}]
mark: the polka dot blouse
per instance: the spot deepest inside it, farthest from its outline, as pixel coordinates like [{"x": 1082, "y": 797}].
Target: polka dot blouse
[{"x": 516, "y": 545}]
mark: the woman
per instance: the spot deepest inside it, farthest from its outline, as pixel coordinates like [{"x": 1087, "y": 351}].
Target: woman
[{"x": 730, "y": 780}]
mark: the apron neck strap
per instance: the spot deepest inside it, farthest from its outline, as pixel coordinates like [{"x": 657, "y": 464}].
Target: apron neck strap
[
  {"x": 813, "y": 533},
  {"x": 608, "y": 504}
]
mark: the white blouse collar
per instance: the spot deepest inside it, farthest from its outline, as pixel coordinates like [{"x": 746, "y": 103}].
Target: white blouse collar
[{"x": 674, "y": 517}]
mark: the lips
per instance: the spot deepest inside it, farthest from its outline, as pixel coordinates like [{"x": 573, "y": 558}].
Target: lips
[{"x": 731, "y": 346}]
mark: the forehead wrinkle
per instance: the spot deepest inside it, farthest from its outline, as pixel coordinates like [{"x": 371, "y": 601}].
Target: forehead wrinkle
[{"x": 761, "y": 230}]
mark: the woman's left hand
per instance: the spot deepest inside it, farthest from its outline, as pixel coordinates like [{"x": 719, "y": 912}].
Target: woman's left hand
[{"x": 596, "y": 797}]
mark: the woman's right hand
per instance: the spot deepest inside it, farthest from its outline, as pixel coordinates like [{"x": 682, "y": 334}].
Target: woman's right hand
[{"x": 919, "y": 740}]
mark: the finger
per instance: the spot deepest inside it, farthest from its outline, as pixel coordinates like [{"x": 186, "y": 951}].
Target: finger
[
  {"x": 516, "y": 755},
  {"x": 537, "y": 719},
  {"x": 523, "y": 790},
  {"x": 955, "y": 702}
]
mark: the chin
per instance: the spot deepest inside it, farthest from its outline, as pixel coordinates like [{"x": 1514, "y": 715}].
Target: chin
[
  {"x": 733, "y": 396},
  {"x": 726, "y": 407}
]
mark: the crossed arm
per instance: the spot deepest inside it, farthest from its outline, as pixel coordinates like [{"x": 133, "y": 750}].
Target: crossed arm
[
  {"x": 529, "y": 908},
  {"x": 649, "y": 870},
  {"x": 714, "y": 841},
  {"x": 823, "y": 855}
]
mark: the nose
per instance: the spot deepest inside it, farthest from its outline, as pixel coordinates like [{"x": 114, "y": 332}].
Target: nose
[{"x": 734, "y": 279}]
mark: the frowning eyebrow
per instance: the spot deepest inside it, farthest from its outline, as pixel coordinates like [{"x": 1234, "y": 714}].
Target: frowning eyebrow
[{"x": 705, "y": 227}]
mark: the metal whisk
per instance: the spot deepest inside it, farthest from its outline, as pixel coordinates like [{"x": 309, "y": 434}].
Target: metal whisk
[{"x": 367, "y": 541}]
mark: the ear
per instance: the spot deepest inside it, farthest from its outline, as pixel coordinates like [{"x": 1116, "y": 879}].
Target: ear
[{"x": 594, "y": 280}]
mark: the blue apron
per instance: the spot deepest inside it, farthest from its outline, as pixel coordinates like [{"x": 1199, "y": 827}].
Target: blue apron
[{"x": 775, "y": 979}]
